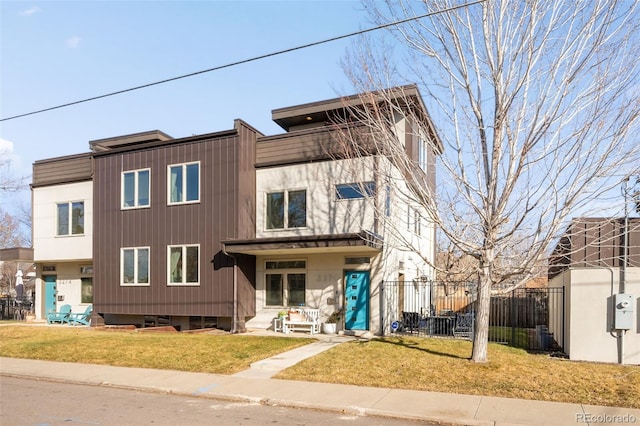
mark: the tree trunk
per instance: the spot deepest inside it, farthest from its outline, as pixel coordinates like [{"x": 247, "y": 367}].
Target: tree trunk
[{"x": 481, "y": 329}]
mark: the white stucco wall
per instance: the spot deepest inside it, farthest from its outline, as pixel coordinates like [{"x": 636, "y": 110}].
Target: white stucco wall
[
  {"x": 325, "y": 214},
  {"x": 404, "y": 252},
  {"x": 47, "y": 246},
  {"x": 324, "y": 277},
  {"x": 403, "y": 244},
  {"x": 589, "y": 311},
  {"x": 68, "y": 286}
]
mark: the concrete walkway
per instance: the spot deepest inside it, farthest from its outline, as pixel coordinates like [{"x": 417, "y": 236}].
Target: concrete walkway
[
  {"x": 269, "y": 367},
  {"x": 255, "y": 385}
]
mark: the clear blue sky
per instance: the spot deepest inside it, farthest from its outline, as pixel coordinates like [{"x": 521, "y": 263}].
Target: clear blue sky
[{"x": 54, "y": 52}]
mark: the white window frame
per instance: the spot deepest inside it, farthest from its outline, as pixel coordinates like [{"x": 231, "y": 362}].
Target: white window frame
[
  {"x": 285, "y": 196},
  {"x": 423, "y": 154},
  {"x": 136, "y": 274},
  {"x": 70, "y": 232},
  {"x": 184, "y": 256},
  {"x": 417, "y": 225},
  {"x": 184, "y": 183},
  {"x": 136, "y": 189}
]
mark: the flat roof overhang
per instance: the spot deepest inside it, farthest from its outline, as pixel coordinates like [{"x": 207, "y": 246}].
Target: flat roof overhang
[
  {"x": 16, "y": 254},
  {"x": 341, "y": 243}
]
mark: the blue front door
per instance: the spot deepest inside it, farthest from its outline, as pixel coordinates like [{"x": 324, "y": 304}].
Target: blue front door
[
  {"x": 49, "y": 294},
  {"x": 356, "y": 300}
]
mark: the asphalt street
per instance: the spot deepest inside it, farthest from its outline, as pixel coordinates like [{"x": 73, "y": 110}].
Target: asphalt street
[{"x": 43, "y": 403}]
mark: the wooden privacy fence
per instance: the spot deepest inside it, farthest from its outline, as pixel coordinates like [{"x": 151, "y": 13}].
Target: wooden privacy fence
[
  {"x": 519, "y": 317},
  {"x": 522, "y": 307}
]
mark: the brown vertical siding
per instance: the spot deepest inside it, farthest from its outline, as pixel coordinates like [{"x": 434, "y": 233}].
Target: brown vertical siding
[
  {"x": 307, "y": 145},
  {"x": 224, "y": 211},
  {"x": 596, "y": 242}
]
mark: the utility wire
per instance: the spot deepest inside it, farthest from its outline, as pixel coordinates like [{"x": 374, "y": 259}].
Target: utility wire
[{"x": 244, "y": 61}]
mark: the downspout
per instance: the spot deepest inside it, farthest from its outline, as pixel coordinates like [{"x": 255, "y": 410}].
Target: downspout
[
  {"x": 623, "y": 267},
  {"x": 234, "y": 321},
  {"x": 625, "y": 239},
  {"x": 618, "y": 336}
]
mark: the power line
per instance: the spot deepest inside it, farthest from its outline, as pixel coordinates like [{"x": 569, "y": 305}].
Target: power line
[{"x": 244, "y": 61}]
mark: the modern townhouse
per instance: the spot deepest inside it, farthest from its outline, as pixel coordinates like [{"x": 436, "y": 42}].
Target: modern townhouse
[
  {"x": 62, "y": 205},
  {"x": 229, "y": 228}
]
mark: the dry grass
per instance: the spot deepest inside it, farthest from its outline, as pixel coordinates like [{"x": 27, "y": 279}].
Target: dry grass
[
  {"x": 220, "y": 354},
  {"x": 403, "y": 363},
  {"x": 442, "y": 365}
]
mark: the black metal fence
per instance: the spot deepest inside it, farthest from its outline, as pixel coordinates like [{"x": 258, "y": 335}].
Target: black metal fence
[
  {"x": 12, "y": 308},
  {"x": 522, "y": 317}
]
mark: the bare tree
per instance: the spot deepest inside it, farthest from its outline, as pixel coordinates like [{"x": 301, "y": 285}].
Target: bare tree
[
  {"x": 8, "y": 182},
  {"x": 11, "y": 231},
  {"x": 536, "y": 105}
]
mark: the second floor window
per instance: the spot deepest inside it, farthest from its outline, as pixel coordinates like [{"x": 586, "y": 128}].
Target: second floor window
[
  {"x": 414, "y": 220},
  {"x": 423, "y": 154},
  {"x": 184, "y": 183},
  {"x": 351, "y": 191},
  {"x": 287, "y": 209},
  {"x": 70, "y": 218},
  {"x": 135, "y": 188},
  {"x": 135, "y": 266}
]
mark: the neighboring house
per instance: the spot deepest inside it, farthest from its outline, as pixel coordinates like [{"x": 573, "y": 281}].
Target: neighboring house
[
  {"x": 13, "y": 259},
  {"x": 588, "y": 262},
  {"x": 202, "y": 230},
  {"x": 62, "y": 197}
]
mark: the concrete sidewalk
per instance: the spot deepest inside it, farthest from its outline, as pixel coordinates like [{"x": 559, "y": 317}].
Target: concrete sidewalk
[{"x": 256, "y": 385}]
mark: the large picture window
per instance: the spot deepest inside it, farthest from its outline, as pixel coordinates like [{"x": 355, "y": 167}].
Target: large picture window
[
  {"x": 286, "y": 209},
  {"x": 134, "y": 266},
  {"x": 184, "y": 264},
  {"x": 285, "y": 283},
  {"x": 184, "y": 183},
  {"x": 70, "y": 218},
  {"x": 136, "y": 188}
]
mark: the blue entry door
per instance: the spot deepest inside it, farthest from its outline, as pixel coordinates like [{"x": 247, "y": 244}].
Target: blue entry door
[
  {"x": 49, "y": 294},
  {"x": 356, "y": 300}
]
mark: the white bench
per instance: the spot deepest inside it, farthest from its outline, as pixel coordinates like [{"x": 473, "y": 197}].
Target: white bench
[{"x": 302, "y": 320}]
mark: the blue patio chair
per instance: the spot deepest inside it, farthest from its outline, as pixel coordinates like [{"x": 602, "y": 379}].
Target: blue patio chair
[
  {"x": 62, "y": 316},
  {"x": 83, "y": 318}
]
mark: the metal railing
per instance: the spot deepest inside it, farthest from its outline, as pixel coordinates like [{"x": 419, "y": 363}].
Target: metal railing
[
  {"x": 523, "y": 317},
  {"x": 12, "y": 308}
]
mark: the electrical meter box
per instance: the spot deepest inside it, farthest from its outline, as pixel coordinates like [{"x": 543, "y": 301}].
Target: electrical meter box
[{"x": 623, "y": 311}]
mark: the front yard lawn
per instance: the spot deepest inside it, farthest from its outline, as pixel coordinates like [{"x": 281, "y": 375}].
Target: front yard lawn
[
  {"x": 440, "y": 365},
  {"x": 443, "y": 365},
  {"x": 207, "y": 353}
]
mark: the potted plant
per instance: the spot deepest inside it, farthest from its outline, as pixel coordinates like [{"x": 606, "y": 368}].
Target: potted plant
[{"x": 330, "y": 325}]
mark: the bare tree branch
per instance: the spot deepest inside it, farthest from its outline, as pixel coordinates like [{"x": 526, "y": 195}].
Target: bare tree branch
[{"x": 535, "y": 104}]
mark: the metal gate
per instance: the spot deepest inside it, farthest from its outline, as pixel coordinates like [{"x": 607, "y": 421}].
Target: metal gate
[{"x": 521, "y": 317}]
